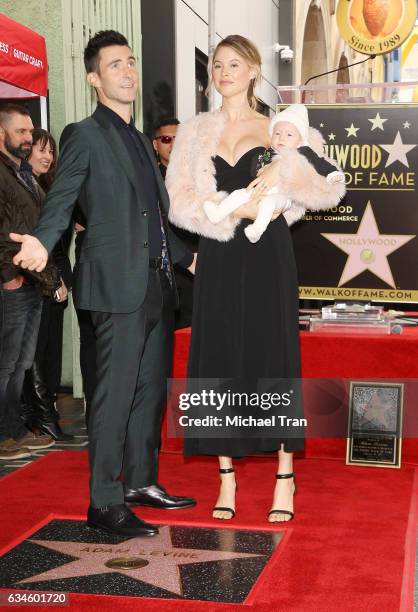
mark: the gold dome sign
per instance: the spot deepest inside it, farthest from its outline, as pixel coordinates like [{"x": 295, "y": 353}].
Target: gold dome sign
[{"x": 374, "y": 27}]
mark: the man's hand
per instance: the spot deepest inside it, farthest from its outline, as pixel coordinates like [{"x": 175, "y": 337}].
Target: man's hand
[
  {"x": 15, "y": 283},
  {"x": 192, "y": 267},
  {"x": 33, "y": 255},
  {"x": 62, "y": 292}
]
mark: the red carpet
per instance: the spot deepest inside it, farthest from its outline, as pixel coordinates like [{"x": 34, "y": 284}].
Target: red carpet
[{"x": 344, "y": 551}]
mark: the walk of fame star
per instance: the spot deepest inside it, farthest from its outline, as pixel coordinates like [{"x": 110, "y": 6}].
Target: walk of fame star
[
  {"x": 397, "y": 151},
  {"x": 159, "y": 566},
  {"x": 368, "y": 249}
]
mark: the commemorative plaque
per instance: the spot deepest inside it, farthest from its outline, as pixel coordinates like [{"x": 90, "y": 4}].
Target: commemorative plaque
[{"x": 375, "y": 424}]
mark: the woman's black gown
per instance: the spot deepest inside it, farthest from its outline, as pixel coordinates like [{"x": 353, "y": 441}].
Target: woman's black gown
[{"x": 245, "y": 315}]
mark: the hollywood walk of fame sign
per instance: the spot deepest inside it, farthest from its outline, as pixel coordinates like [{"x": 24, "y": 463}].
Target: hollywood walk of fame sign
[
  {"x": 181, "y": 562},
  {"x": 366, "y": 248}
]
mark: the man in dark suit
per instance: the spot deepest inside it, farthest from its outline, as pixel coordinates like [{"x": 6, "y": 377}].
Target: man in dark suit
[{"x": 124, "y": 277}]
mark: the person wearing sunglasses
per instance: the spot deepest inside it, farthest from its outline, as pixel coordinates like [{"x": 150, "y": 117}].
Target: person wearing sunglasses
[{"x": 163, "y": 141}]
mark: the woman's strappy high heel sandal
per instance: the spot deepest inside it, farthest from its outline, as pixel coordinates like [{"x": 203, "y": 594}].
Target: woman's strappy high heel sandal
[
  {"x": 222, "y": 508},
  {"x": 291, "y": 514}
]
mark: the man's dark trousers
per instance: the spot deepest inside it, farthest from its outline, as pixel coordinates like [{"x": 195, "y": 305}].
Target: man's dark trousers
[
  {"x": 134, "y": 353},
  {"x": 87, "y": 357},
  {"x": 20, "y": 314}
]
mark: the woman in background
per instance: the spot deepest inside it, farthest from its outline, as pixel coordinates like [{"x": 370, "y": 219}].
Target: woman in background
[{"x": 42, "y": 381}]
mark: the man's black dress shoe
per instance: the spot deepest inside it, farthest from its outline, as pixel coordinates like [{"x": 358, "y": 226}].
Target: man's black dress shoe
[
  {"x": 53, "y": 429},
  {"x": 121, "y": 520},
  {"x": 157, "y": 497}
]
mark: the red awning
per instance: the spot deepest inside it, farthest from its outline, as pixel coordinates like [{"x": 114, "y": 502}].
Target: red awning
[{"x": 23, "y": 61}]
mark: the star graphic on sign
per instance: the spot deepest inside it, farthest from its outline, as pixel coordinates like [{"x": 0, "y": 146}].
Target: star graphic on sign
[
  {"x": 368, "y": 249},
  {"x": 321, "y": 125},
  {"x": 352, "y": 131},
  {"x": 397, "y": 151},
  {"x": 377, "y": 122},
  {"x": 406, "y": 125},
  {"x": 376, "y": 412},
  {"x": 160, "y": 560},
  {"x": 331, "y": 136}
]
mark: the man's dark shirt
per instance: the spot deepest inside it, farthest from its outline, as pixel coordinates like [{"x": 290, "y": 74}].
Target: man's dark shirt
[
  {"x": 25, "y": 173},
  {"x": 141, "y": 162},
  {"x": 163, "y": 170}
]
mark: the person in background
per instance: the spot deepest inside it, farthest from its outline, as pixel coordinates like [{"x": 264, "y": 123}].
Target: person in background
[
  {"x": 43, "y": 379},
  {"x": 164, "y": 138},
  {"x": 21, "y": 200}
]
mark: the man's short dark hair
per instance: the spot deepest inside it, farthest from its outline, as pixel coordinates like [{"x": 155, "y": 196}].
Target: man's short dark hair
[
  {"x": 164, "y": 121},
  {"x": 10, "y": 108},
  {"x": 104, "y": 38}
]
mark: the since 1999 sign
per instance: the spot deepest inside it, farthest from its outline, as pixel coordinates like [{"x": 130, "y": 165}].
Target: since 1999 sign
[{"x": 374, "y": 27}]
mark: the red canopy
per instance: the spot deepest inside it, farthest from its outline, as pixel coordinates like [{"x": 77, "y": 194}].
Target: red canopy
[{"x": 23, "y": 62}]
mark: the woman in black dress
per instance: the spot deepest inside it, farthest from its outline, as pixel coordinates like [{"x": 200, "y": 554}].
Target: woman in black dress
[{"x": 245, "y": 316}]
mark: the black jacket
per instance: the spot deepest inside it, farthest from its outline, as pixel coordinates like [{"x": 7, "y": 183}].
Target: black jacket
[
  {"x": 95, "y": 170},
  {"x": 19, "y": 212}
]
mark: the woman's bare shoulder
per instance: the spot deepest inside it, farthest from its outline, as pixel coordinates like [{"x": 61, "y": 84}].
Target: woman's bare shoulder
[
  {"x": 262, "y": 118},
  {"x": 261, "y": 124}
]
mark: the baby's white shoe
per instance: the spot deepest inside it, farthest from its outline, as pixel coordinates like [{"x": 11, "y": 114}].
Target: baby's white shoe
[
  {"x": 212, "y": 211},
  {"x": 252, "y": 233}
]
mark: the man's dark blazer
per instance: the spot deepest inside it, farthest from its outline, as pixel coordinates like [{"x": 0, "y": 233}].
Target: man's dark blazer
[{"x": 95, "y": 169}]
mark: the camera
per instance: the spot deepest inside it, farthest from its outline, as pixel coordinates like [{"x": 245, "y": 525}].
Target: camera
[{"x": 286, "y": 54}]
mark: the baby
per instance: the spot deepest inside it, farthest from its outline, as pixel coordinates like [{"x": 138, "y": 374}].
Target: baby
[{"x": 289, "y": 129}]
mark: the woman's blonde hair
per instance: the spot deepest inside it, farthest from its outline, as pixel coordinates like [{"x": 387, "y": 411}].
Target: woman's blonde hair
[{"x": 249, "y": 52}]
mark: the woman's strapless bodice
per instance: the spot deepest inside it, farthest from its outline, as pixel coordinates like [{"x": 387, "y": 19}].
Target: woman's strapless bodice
[{"x": 229, "y": 178}]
